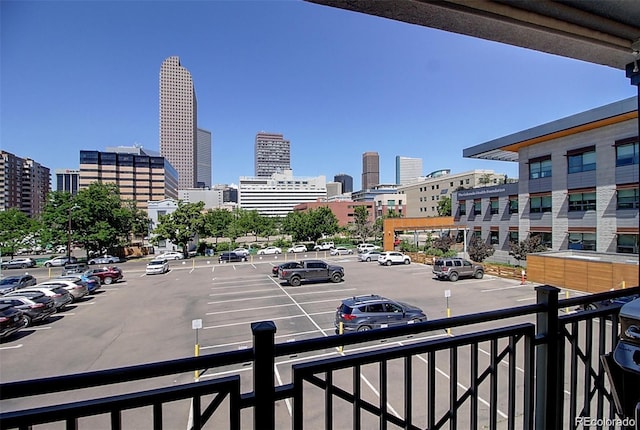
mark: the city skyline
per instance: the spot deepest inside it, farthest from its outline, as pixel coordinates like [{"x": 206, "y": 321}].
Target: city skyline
[{"x": 343, "y": 84}]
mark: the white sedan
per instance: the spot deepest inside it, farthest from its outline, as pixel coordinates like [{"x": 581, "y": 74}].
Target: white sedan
[
  {"x": 270, "y": 250},
  {"x": 297, "y": 248},
  {"x": 170, "y": 255},
  {"x": 341, "y": 250},
  {"x": 157, "y": 266}
]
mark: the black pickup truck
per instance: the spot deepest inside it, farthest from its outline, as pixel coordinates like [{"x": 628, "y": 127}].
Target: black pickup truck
[{"x": 312, "y": 270}]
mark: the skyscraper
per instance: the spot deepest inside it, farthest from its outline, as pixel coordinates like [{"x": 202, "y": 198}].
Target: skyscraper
[
  {"x": 203, "y": 159},
  {"x": 178, "y": 121},
  {"x": 346, "y": 181},
  {"x": 272, "y": 154},
  {"x": 370, "y": 170},
  {"x": 25, "y": 184},
  {"x": 408, "y": 169}
]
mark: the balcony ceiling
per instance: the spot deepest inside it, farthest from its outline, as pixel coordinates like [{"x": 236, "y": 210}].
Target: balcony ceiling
[{"x": 600, "y": 32}]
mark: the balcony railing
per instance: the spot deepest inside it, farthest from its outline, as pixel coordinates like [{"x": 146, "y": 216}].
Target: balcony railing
[{"x": 522, "y": 375}]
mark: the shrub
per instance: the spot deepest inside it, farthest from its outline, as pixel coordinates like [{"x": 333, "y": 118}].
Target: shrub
[{"x": 479, "y": 250}]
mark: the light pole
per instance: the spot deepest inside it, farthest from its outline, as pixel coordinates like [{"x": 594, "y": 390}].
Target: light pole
[{"x": 71, "y": 208}]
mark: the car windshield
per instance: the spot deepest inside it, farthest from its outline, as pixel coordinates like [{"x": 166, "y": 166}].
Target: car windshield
[
  {"x": 8, "y": 281},
  {"x": 156, "y": 263}
]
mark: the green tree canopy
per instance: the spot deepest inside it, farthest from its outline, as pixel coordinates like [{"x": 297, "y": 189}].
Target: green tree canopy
[
  {"x": 310, "y": 225},
  {"x": 15, "y": 228},
  {"x": 181, "y": 225},
  {"x": 444, "y": 206},
  {"x": 362, "y": 227}
]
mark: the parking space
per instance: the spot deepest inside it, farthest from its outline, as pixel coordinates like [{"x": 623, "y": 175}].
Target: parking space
[{"x": 149, "y": 318}]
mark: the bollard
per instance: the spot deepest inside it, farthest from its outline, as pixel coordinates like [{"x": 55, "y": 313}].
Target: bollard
[{"x": 522, "y": 282}]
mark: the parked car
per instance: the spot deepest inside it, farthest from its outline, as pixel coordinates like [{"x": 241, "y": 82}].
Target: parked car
[
  {"x": 59, "y": 295},
  {"x": 455, "y": 268},
  {"x": 11, "y": 283},
  {"x": 11, "y": 320},
  {"x": 269, "y": 250},
  {"x": 341, "y": 250},
  {"x": 393, "y": 257},
  {"x": 105, "y": 259},
  {"x": 287, "y": 265},
  {"x": 74, "y": 268},
  {"x": 297, "y": 248},
  {"x": 231, "y": 257},
  {"x": 157, "y": 266},
  {"x": 244, "y": 252},
  {"x": 364, "y": 247},
  {"x": 369, "y": 256},
  {"x": 107, "y": 275},
  {"x": 311, "y": 270},
  {"x": 77, "y": 289},
  {"x": 34, "y": 309},
  {"x": 363, "y": 313},
  {"x": 606, "y": 303},
  {"x": 170, "y": 255},
  {"x": 60, "y": 261},
  {"x": 18, "y": 263},
  {"x": 324, "y": 246},
  {"x": 92, "y": 283}
]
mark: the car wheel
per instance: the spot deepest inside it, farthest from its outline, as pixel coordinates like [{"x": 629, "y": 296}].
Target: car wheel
[
  {"x": 91, "y": 263},
  {"x": 26, "y": 321},
  {"x": 368, "y": 259},
  {"x": 47, "y": 264},
  {"x": 295, "y": 281},
  {"x": 453, "y": 276},
  {"x": 591, "y": 307},
  {"x": 336, "y": 278},
  {"x": 388, "y": 263},
  {"x": 364, "y": 328},
  {"x": 407, "y": 261},
  {"x": 108, "y": 280},
  {"x": 23, "y": 266},
  {"x": 479, "y": 274}
]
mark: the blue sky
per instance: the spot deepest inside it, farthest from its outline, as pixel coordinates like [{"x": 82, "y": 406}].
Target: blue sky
[{"x": 84, "y": 75}]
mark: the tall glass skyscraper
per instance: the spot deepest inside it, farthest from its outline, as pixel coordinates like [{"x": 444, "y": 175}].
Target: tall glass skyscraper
[
  {"x": 178, "y": 121},
  {"x": 346, "y": 181},
  {"x": 203, "y": 159}
]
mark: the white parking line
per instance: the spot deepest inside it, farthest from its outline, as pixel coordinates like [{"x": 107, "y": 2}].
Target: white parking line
[
  {"x": 278, "y": 296},
  {"x": 235, "y": 311},
  {"x": 502, "y": 288},
  {"x": 2, "y": 348},
  {"x": 526, "y": 299}
]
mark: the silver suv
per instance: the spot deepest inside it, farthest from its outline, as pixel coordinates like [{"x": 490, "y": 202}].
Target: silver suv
[
  {"x": 368, "y": 312},
  {"x": 454, "y": 268}
]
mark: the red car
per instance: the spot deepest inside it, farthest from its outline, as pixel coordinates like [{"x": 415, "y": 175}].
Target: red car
[{"x": 107, "y": 275}]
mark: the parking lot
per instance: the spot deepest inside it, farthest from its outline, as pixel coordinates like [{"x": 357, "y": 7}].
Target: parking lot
[{"x": 149, "y": 318}]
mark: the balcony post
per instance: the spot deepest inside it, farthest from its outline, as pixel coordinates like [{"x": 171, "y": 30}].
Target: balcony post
[
  {"x": 264, "y": 416},
  {"x": 546, "y": 370}
]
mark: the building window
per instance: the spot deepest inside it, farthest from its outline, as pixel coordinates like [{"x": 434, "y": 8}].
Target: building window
[
  {"x": 477, "y": 234},
  {"x": 494, "y": 237},
  {"x": 494, "y": 206},
  {"x": 627, "y": 199},
  {"x": 513, "y": 237},
  {"x": 582, "y": 241},
  {"x": 477, "y": 207},
  {"x": 627, "y": 243},
  {"x": 540, "y": 168},
  {"x": 545, "y": 238},
  {"x": 540, "y": 204},
  {"x": 513, "y": 204},
  {"x": 627, "y": 153},
  {"x": 581, "y": 160},
  {"x": 463, "y": 207},
  {"x": 579, "y": 202}
]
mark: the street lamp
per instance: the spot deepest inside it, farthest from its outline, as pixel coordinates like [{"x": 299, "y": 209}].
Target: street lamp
[{"x": 71, "y": 208}]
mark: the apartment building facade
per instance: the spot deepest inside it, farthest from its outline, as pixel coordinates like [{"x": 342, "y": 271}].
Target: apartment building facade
[
  {"x": 25, "y": 184},
  {"x": 578, "y": 186},
  {"x": 272, "y": 154},
  {"x": 140, "y": 177},
  {"x": 278, "y": 195}
]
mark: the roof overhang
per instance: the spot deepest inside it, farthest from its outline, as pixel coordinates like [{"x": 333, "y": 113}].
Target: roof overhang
[{"x": 600, "y": 32}]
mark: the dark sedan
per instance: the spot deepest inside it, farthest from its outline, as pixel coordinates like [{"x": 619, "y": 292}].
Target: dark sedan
[
  {"x": 11, "y": 320},
  {"x": 34, "y": 308},
  {"x": 287, "y": 265},
  {"x": 11, "y": 283}
]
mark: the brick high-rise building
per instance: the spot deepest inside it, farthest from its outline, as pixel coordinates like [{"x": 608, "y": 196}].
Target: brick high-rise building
[
  {"x": 178, "y": 121},
  {"x": 370, "y": 170},
  {"x": 24, "y": 183}
]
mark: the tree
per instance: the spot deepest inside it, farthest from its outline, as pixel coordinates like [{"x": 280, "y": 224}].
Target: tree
[
  {"x": 216, "y": 222},
  {"x": 15, "y": 228},
  {"x": 310, "y": 225},
  {"x": 444, "y": 206},
  {"x": 479, "y": 250},
  {"x": 530, "y": 245},
  {"x": 181, "y": 225},
  {"x": 443, "y": 243},
  {"x": 362, "y": 226}
]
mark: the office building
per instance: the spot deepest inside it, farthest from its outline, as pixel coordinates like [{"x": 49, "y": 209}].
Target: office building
[
  {"x": 370, "y": 170},
  {"x": 578, "y": 186},
  {"x": 422, "y": 197},
  {"x": 334, "y": 189},
  {"x": 272, "y": 154},
  {"x": 25, "y": 184},
  {"x": 67, "y": 180},
  {"x": 277, "y": 196},
  {"x": 346, "y": 181},
  {"x": 343, "y": 210},
  {"x": 178, "y": 121},
  {"x": 408, "y": 170},
  {"x": 212, "y": 198},
  {"x": 386, "y": 204},
  {"x": 203, "y": 159},
  {"x": 140, "y": 177}
]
